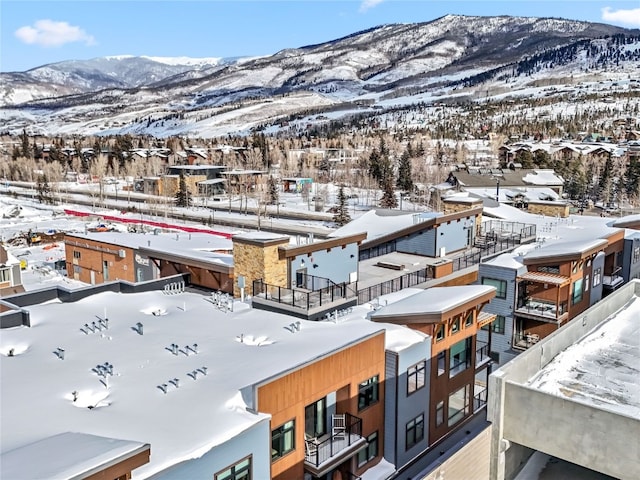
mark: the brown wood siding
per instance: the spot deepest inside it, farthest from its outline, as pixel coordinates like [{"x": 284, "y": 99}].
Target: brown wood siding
[
  {"x": 200, "y": 277},
  {"x": 286, "y": 397}
]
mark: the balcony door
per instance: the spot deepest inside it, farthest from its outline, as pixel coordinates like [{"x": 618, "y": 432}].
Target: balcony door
[
  {"x": 301, "y": 278},
  {"x": 315, "y": 416}
]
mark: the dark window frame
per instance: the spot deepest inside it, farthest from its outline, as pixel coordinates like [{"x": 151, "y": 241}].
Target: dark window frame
[
  {"x": 414, "y": 431},
  {"x": 241, "y": 474},
  {"x": 416, "y": 372},
  {"x": 368, "y": 392},
  {"x": 279, "y": 434},
  {"x": 370, "y": 452},
  {"x": 499, "y": 285}
]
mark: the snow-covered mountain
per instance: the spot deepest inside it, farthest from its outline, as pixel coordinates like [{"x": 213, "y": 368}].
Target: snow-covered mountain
[
  {"x": 448, "y": 58},
  {"x": 81, "y": 76}
]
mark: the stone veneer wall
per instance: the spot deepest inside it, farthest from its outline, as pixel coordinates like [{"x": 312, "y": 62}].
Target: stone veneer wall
[
  {"x": 548, "y": 209},
  {"x": 256, "y": 262}
]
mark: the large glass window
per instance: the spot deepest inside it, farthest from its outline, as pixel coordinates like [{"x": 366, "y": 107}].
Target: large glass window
[
  {"x": 500, "y": 285},
  {"x": 416, "y": 376},
  {"x": 283, "y": 440},
  {"x": 369, "y": 453},
  {"x": 458, "y": 405},
  {"x": 4, "y": 275},
  {"x": 368, "y": 393},
  {"x": 239, "y": 471},
  {"x": 439, "y": 413},
  {"x": 442, "y": 358},
  {"x": 314, "y": 415},
  {"x": 415, "y": 431},
  {"x": 576, "y": 296},
  {"x": 460, "y": 357}
]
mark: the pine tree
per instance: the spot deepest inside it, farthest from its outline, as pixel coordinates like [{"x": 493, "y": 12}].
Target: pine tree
[
  {"x": 632, "y": 177},
  {"x": 182, "y": 195},
  {"x": 44, "y": 189},
  {"x": 274, "y": 194},
  {"x": 405, "y": 182},
  {"x": 26, "y": 149},
  {"x": 342, "y": 217},
  {"x": 388, "y": 199},
  {"x": 605, "y": 183}
]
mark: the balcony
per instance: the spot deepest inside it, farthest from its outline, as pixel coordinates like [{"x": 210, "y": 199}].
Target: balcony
[
  {"x": 543, "y": 310},
  {"x": 611, "y": 282},
  {"x": 480, "y": 400},
  {"x": 311, "y": 304},
  {"x": 324, "y": 453},
  {"x": 482, "y": 354},
  {"x": 522, "y": 341}
]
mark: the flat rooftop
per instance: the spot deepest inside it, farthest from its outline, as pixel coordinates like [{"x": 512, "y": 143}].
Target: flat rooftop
[
  {"x": 236, "y": 349},
  {"x": 602, "y": 368}
]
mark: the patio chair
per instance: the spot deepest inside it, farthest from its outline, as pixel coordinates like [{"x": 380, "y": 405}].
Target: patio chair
[{"x": 339, "y": 425}]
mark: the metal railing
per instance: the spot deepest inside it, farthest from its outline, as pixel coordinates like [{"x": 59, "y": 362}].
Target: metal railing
[
  {"x": 482, "y": 353},
  {"x": 304, "y": 299},
  {"x": 395, "y": 284},
  {"x": 479, "y": 400},
  {"x": 543, "y": 308},
  {"x": 335, "y": 444}
]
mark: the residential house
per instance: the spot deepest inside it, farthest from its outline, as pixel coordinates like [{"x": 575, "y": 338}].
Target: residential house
[{"x": 10, "y": 275}]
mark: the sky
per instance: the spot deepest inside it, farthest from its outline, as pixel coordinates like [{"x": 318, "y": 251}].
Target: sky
[{"x": 38, "y": 32}]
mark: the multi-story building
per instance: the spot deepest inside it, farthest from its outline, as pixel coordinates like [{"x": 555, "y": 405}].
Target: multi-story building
[
  {"x": 10, "y": 276},
  {"x": 459, "y": 364},
  {"x": 542, "y": 289}
]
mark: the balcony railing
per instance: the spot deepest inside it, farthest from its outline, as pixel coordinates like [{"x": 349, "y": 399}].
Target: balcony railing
[
  {"x": 324, "y": 452},
  {"x": 479, "y": 400},
  {"x": 482, "y": 353},
  {"x": 543, "y": 309},
  {"x": 522, "y": 341},
  {"x": 303, "y": 298},
  {"x": 612, "y": 281}
]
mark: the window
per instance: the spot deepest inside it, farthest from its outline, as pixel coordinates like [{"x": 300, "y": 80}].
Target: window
[
  {"x": 597, "y": 277},
  {"x": 77, "y": 269},
  {"x": 550, "y": 269},
  {"x": 239, "y": 471},
  {"x": 4, "y": 275},
  {"x": 314, "y": 416},
  {"x": 76, "y": 254},
  {"x": 460, "y": 357},
  {"x": 439, "y": 413},
  {"x": 415, "y": 431},
  {"x": 283, "y": 440},
  {"x": 455, "y": 325},
  {"x": 416, "y": 376},
  {"x": 636, "y": 255},
  {"x": 368, "y": 393},
  {"x": 469, "y": 320},
  {"x": 370, "y": 452},
  {"x": 576, "y": 295},
  {"x": 497, "y": 326},
  {"x": 441, "y": 362},
  {"x": 574, "y": 267},
  {"x": 586, "y": 283},
  {"x": 500, "y": 285},
  {"x": 105, "y": 270},
  {"x": 458, "y": 405},
  {"x": 439, "y": 332}
]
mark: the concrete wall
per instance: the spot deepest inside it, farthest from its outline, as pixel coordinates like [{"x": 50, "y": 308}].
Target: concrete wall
[
  {"x": 254, "y": 442},
  {"x": 607, "y": 442},
  {"x": 453, "y": 236},
  {"x": 469, "y": 462},
  {"x": 515, "y": 412}
]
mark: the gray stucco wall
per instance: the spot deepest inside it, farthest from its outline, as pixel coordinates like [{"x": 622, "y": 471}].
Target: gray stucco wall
[
  {"x": 255, "y": 441},
  {"x": 336, "y": 265},
  {"x": 453, "y": 236}
]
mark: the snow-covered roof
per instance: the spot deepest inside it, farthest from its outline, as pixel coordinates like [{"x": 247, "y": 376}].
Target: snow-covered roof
[
  {"x": 436, "y": 300},
  {"x": 200, "y": 246},
  {"x": 601, "y": 368},
  {"x": 68, "y": 455},
  {"x": 507, "y": 260},
  {"x": 239, "y": 348},
  {"x": 543, "y": 177},
  {"x": 562, "y": 249},
  {"x": 378, "y": 223}
]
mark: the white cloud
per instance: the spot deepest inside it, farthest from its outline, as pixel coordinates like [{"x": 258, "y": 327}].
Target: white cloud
[
  {"x": 49, "y": 33},
  {"x": 367, "y": 4},
  {"x": 626, "y": 17}
]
